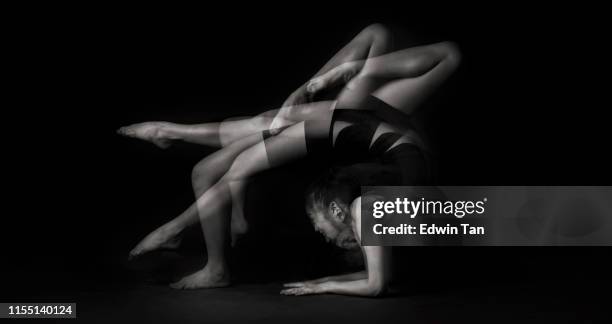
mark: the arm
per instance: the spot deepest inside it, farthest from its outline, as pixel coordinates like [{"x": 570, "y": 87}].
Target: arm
[
  {"x": 369, "y": 283},
  {"x": 343, "y": 277},
  {"x": 377, "y": 276}
]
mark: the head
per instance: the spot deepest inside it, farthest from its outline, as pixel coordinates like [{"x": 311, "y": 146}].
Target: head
[{"x": 328, "y": 205}]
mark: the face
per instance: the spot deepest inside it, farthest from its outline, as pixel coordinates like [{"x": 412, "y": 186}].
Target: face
[{"x": 334, "y": 223}]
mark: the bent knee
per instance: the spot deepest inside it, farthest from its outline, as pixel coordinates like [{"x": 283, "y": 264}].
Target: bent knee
[
  {"x": 197, "y": 172},
  {"x": 200, "y": 173},
  {"x": 378, "y": 31},
  {"x": 239, "y": 168},
  {"x": 452, "y": 53},
  {"x": 247, "y": 163}
]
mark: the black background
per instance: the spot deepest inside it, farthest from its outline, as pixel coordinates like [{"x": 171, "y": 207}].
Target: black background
[{"x": 524, "y": 108}]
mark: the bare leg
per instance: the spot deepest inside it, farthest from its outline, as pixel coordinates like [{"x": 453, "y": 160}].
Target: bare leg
[
  {"x": 220, "y": 134},
  {"x": 287, "y": 146},
  {"x": 204, "y": 175},
  {"x": 238, "y": 224},
  {"x": 209, "y": 171},
  {"x": 372, "y": 41},
  {"x": 409, "y": 75}
]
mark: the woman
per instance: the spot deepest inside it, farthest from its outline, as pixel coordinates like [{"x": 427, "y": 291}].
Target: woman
[{"x": 366, "y": 123}]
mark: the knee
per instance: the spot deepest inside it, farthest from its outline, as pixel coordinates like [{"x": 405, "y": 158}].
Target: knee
[
  {"x": 379, "y": 32},
  {"x": 249, "y": 162},
  {"x": 238, "y": 169},
  {"x": 451, "y": 52},
  {"x": 199, "y": 177}
]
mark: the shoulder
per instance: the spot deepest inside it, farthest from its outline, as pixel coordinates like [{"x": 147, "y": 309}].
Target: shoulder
[{"x": 356, "y": 209}]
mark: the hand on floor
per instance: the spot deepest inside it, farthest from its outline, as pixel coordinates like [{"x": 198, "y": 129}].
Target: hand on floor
[{"x": 302, "y": 288}]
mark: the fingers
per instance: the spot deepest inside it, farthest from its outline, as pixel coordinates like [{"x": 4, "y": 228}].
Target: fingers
[
  {"x": 294, "y": 284},
  {"x": 297, "y": 292},
  {"x": 300, "y": 289}
]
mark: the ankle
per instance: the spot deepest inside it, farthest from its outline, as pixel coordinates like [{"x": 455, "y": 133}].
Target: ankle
[
  {"x": 217, "y": 267},
  {"x": 173, "y": 229},
  {"x": 169, "y": 131}
]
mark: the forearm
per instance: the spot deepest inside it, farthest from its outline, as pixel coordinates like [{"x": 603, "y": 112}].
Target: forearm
[
  {"x": 343, "y": 277},
  {"x": 361, "y": 287}
]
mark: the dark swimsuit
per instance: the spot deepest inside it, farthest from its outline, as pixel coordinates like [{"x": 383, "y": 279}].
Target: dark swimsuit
[{"x": 372, "y": 164}]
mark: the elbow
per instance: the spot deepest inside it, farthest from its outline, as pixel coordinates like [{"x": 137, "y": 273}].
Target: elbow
[
  {"x": 376, "y": 292},
  {"x": 377, "y": 289}
]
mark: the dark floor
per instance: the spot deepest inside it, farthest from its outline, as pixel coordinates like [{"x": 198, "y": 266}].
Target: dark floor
[
  {"x": 549, "y": 302},
  {"x": 572, "y": 291}
]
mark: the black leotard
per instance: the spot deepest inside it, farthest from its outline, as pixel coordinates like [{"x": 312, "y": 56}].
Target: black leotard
[
  {"x": 377, "y": 163},
  {"x": 372, "y": 163}
]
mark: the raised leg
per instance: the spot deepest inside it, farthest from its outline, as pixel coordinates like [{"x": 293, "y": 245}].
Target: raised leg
[
  {"x": 411, "y": 75},
  {"x": 220, "y": 134},
  {"x": 372, "y": 41},
  {"x": 207, "y": 172}
]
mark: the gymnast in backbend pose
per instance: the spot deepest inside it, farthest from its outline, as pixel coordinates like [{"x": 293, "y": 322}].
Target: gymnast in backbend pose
[{"x": 365, "y": 128}]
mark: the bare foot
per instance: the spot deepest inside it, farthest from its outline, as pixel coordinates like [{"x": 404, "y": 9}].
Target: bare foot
[
  {"x": 165, "y": 237},
  {"x": 154, "y": 132},
  {"x": 340, "y": 74},
  {"x": 205, "y": 278}
]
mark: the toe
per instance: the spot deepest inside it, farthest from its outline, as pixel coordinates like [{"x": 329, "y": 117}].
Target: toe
[
  {"x": 313, "y": 86},
  {"x": 132, "y": 255}
]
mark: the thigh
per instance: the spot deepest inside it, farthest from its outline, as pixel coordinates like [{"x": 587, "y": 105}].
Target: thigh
[
  {"x": 217, "y": 163},
  {"x": 289, "y": 145},
  {"x": 407, "y": 94},
  {"x": 310, "y": 111},
  {"x": 297, "y": 141}
]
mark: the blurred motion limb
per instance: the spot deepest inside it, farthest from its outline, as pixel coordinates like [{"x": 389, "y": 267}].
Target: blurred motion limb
[
  {"x": 224, "y": 133},
  {"x": 372, "y": 41}
]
